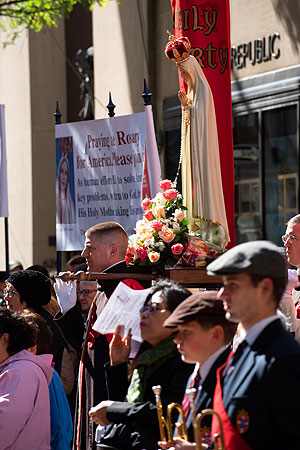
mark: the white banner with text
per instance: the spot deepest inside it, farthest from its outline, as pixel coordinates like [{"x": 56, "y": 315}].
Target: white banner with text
[{"x": 99, "y": 176}]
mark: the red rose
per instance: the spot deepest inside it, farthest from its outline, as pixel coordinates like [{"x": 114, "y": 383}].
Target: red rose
[
  {"x": 129, "y": 255},
  {"x": 165, "y": 184},
  {"x": 170, "y": 194},
  {"x": 177, "y": 249},
  {"x": 141, "y": 253},
  {"x": 149, "y": 215},
  {"x": 157, "y": 225},
  {"x": 146, "y": 203}
]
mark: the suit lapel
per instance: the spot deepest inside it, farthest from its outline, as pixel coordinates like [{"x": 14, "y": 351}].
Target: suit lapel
[{"x": 247, "y": 362}]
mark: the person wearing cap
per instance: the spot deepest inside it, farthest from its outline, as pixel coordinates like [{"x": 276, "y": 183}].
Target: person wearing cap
[
  {"x": 257, "y": 393},
  {"x": 30, "y": 289},
  {"x": 203, "y": 337}
]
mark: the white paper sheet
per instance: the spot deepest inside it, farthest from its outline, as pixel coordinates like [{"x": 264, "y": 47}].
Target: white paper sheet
[{"x": 122, "y": 309}]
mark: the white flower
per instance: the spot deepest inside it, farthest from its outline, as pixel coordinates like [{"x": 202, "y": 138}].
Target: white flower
[
  {"x": 175, "y": 226},
  {"x": 149, "y": 243},
  {"x": 161, "y": 246},
  {"x": 159, "y": 198}
]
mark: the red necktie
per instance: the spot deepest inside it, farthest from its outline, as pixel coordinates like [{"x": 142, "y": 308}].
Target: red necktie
[
  {"x": 233, "y": 358},
  {"x": 186, "y": 404}
]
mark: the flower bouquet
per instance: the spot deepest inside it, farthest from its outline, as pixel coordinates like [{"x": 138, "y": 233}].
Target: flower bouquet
[{"x": 162, "y": 234}]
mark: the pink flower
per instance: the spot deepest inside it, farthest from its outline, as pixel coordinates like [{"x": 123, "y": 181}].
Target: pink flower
[
  {"x": 157, "y": 225},
  {"x": 170, "y": 194},
  {"x": 179, "y": 215},
  {"x": 166, "y": 235},
  {"x": 165, "y": 184},
  {"x": 141, "y": 253},
  {"x": 159, "y": 211},
  {"x": 130, "y": 255},
  {"x": 177, "y": 249},
  {"x": 149, "y": 215},
  {"x": 146, "y": 203},
  {"x": 153, "y": 257}
]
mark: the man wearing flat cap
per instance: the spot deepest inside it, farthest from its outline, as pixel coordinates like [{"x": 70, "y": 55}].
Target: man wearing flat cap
[
  {"x": 203, "y": 338},
  {"x": 257, "y": 393}
]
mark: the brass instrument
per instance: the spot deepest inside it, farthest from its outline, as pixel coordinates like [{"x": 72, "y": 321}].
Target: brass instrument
[
  {"x": 197, "y": 420},
  {"x": 92, "y": 276},
  {"x": 165, "y": 425},
  {"x": 217, "y": 437}
]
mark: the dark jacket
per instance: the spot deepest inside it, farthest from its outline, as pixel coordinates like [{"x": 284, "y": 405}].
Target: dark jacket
[
  {"x": 136, "y": 424},
  {"x": 205, "y": 398},
  {"x": 264, "y": 388},
  {"x": 91, "y": 388}
]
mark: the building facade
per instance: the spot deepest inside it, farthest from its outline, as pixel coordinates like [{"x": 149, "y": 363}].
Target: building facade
[{"x": 128, "y": 45}]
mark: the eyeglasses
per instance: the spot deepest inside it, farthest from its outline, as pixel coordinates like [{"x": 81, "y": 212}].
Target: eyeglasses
[
  {"x": 150, "y": 308},
  {"x": 290, "y": 238},
  {"x": 85, "y": 292},
  {"x": 9, "y": 294}
]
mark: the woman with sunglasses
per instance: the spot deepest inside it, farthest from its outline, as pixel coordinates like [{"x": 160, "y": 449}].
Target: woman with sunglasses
[{"x": 135, "y": 424}]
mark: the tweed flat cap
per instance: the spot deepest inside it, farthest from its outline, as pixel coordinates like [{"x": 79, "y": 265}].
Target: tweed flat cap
[
  {"x": 257, "y": 258},
  {"x": 203, "y": 304}
]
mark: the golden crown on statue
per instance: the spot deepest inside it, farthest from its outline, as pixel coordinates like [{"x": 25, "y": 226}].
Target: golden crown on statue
[{"x": 177, "y": 49}]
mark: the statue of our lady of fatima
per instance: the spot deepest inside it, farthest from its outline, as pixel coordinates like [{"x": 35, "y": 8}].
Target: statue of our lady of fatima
[{"x": 201, "y": 173}]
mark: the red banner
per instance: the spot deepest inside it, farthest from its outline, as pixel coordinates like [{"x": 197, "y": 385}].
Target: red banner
[{"x": 207, "y": 25}]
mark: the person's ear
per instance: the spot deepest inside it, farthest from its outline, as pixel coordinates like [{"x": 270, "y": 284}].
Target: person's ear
[
  {"x": 217, "y": 333},
  {"x": 113, "y": 250},
  {"x": 266, "y": 286}
]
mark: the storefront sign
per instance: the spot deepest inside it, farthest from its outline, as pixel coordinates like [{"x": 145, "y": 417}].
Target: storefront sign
[{"x": 260, "y": 50}]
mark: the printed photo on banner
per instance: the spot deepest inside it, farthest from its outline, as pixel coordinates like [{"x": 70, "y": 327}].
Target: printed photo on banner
[
  {"x": 65, "y": 190},
  {"x": 99, "y": 176}
]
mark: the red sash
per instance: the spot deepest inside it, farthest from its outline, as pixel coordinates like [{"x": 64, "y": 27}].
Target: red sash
[{"x": 233, "y": 440}]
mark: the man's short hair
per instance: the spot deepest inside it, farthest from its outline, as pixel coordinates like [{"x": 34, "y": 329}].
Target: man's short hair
[
  {"x": 294, "y": 220},
  {"x": 109, "y": 233}
]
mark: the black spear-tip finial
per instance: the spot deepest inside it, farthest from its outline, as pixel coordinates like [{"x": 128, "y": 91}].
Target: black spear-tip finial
[
  {"x": 57, "y": 115},
  {"x": 146, "y": 94},
  {"x": 110, "y": 106}
]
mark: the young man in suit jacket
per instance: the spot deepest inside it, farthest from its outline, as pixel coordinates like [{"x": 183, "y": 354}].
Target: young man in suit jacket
[
  {"x": 203, "y": 338},
  {"x": 257, "y": 392}
]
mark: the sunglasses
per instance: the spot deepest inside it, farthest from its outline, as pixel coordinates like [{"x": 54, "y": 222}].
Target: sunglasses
[{"x": 151, "y": 307}]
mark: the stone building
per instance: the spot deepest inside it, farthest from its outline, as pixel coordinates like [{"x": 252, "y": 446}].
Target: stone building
[{"x": 128, "y": 45}]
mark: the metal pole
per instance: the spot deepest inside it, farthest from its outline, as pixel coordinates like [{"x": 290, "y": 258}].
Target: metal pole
[
  {"x": 6, "y": 246},
  {"x": 57, "y": 116}
]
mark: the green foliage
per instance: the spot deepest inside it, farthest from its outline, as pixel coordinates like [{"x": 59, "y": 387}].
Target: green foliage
[{"x": 36, "y": 14}]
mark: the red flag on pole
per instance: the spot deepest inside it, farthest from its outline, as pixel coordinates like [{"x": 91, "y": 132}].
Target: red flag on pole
[{"x": 207, "y": 25}]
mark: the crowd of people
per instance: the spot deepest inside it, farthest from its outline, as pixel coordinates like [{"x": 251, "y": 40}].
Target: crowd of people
[{"x": 234, "y": 350}]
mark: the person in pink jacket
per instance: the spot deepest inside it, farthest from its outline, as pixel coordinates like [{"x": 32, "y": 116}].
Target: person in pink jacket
[{"x": 24, "y": 380}]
